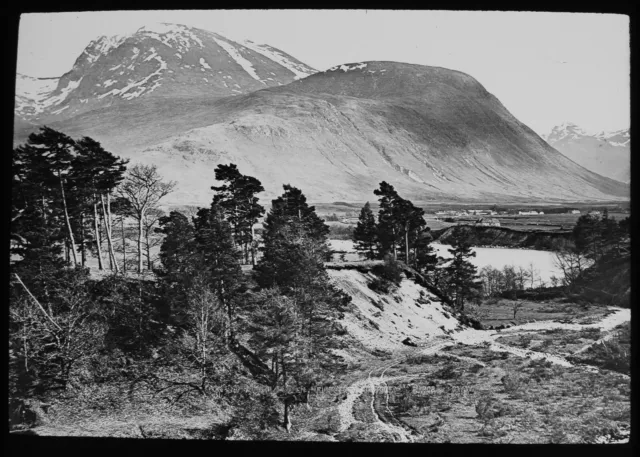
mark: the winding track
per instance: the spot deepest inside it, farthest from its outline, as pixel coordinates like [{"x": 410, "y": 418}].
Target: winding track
[{"x": 470, "y": 337}]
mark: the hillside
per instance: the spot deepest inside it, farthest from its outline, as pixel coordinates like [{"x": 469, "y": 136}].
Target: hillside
[
  {"x": 436, "y": 134},
  {"x": 605, "y": 153}
]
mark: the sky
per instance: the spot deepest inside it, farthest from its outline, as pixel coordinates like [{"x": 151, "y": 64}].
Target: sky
[{"x": 546, "y": 68}]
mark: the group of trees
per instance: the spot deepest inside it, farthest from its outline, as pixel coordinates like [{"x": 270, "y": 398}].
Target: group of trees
[
  {"x": 400, "y": 232},
  {"x": 185, "y": 333},
  {"x": 496, "y": 281},
  {"x": 68, "y": 194},
  {"x": 290, "y": 315},
  {"x": 596, "y": 239}
]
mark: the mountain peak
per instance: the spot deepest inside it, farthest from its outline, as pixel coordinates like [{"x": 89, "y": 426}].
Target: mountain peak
[
  {"x": 606, "y": 152},
  {"x": 158, "y": 60}
]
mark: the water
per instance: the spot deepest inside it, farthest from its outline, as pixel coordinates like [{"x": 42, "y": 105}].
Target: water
[{"x": 543, "y": 261}]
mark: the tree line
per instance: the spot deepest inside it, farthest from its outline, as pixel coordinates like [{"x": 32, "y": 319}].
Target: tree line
[
  {"x": 203, "y": 325},
  {"x": 399, "y": 233}
]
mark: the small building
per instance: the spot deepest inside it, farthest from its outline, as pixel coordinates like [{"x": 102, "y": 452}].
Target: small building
[
  {"x": 527, "y": 213},
  {"x": 488, "y": 222},
  {"x": 575, "y": 211}
]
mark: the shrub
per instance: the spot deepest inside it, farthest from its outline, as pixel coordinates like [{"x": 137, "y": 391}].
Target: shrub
[
  {"x": 390, "y": 270},
  {"x": 489, "y": 407},
  {"x": 612, "y": 356},
  {"x": 513, "y": 382}
]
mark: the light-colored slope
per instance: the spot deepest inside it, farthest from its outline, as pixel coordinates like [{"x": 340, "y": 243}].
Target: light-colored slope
[{"x": 405, "y": 314}]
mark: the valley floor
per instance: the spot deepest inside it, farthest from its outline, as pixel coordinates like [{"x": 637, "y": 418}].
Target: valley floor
[{"x": 531, "y": 383}]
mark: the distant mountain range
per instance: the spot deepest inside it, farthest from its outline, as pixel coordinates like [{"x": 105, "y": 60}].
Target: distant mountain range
[
  {"x": 606, "y": 153},
  {"x": 186, "y": 99}
]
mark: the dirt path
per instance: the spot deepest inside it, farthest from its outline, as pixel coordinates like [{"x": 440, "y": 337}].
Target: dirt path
[{"x": 470, "y": 337}]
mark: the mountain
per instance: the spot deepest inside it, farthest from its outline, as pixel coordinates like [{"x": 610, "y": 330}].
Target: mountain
[
  {"x": 164, "y": 60},
  {"x": 606, "y": 153},
  {"x": 435, "y": 134}
]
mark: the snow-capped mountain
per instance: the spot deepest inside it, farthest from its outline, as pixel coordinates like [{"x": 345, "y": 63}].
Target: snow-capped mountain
[
  {"x": 606, "y": 153},
  {"x": 434, "y": 133},
  {"x": 164, "y": 60}
]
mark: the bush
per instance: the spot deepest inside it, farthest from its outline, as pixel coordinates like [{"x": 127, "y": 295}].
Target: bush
[
  {"x": 388, "y": 276},
  {"x": 513, "y": 382},
  {"x": 612, "y": 356},
  {"x": 489, "y": 407}
]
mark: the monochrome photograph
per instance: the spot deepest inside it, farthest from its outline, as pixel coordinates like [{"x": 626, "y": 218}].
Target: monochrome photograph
[{"x": 400, "y": 226}]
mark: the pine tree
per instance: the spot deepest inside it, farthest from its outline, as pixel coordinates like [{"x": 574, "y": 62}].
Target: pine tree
[
  {"x": 461, "y": 274},
  {"x": 365, "y": 235},
  {"x": 399, "y": 222},
  {"x": 389, "y": 232},
  {"x": 237, "y": 198},
  {"x": 100, "y": 172},
  {"x": 219, "y": 259},
  {"x": 178, "y": 246},
  {"x": 292, "y": 204}
]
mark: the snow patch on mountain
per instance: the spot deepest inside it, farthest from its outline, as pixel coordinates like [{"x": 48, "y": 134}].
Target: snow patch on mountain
[
  {"x": 235, "y": 55},
  {"x": 300, "y": 71},
  {"x": 64, "y": 93},
  {"x": 347, "y": 68},
  {"x": 204, "y": 63}
]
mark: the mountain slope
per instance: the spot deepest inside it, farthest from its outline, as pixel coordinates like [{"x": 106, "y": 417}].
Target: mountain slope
[
  {"x": 435, "y": 134},
  {"x": 606, "y": 153},
  {"x": 165, "y": 60}
]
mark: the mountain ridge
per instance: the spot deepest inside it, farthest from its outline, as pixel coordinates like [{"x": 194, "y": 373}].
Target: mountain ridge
[
  {"x": 434, "y": 133},
  {"x": 605, "y": 152}
]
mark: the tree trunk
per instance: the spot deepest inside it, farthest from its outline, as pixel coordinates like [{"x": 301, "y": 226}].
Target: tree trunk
[
  {"x": 82, "y": 243},
  {"x": 140, "y": 217},
  {"x": 96, "y": 229},
  {"x": 253, "y": 251},
  {"x": 124, "y": 247},
  {"x": 107, "y": 218},
  {"x": 406, "y": 246},
  {"x": 287, "y": 420},
  {"x": 68, "y": 222},
  {"x": 148, "y": 249}
]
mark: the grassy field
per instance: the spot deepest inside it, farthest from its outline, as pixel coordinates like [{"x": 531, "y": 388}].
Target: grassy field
[{"x": 499, "y": 312}]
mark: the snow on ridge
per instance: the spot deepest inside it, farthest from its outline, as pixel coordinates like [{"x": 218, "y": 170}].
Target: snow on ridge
[
  {"x": 235, "y": 55},
  {"x": 204, "y": 63},
  {"x": 35, "y": 88},
  {"x": 272, "y": 54},
  {"x": 124, "y": 92},
  {"x": 153, "y": 54},
  {"x": 347, "y": 68},
  {"x": 64, "y": 93}
]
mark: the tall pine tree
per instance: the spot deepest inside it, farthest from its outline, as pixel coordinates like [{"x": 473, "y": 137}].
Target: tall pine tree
[
  {"x": 461, "y": 275},
  {"x": 365, "y": 235}
]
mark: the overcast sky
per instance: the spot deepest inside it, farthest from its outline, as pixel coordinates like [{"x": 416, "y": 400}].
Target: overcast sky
[{"x": 546, "y": 68}]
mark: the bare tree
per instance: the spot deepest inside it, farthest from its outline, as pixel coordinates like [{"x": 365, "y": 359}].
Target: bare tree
[
  {"x": 532, "y": 272},
  {"x": 151, "y": 239},
  {"x": 572, "y": 263},
  {"x": 515, "y": 306},
  {"x": 143, "y": 188}
]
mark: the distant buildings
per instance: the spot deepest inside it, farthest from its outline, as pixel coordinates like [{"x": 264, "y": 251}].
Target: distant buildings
[
  {"x": 575, "y": 211},
  {"x": 488, "y": 222},
  {"x": 529, "y": 213},
  {"x": 350, "y": 220}
]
